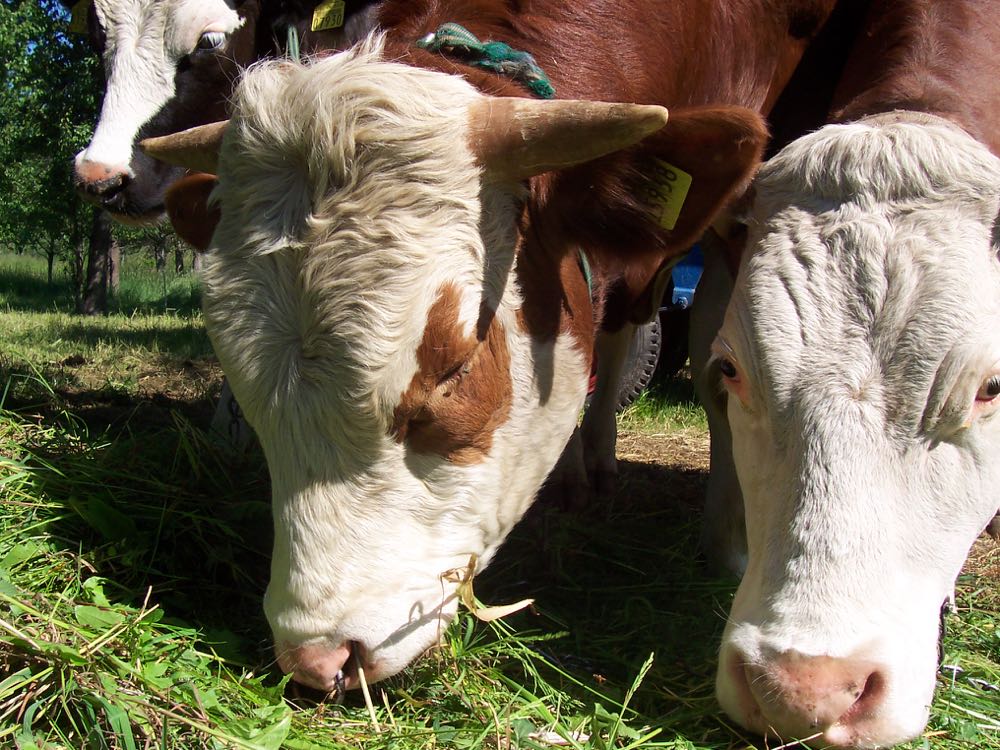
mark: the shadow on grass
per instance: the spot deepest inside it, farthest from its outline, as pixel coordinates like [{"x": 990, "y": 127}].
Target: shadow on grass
[
  {"x": 180, "y": 341},
  {"x": 623, "y": 579},
  {"x": 151, "y": 501},
  {"x": 154, "y": 501},
  {"x": 179, "y": 295},
  {"x": 27, "y": 292}
]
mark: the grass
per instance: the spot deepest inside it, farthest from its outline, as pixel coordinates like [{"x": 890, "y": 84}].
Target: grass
[
  {"x": 142, "y": 290},
  {"x": 134, "y": 552}
]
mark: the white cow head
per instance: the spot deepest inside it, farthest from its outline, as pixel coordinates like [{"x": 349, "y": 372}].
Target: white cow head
[
  {"x": 861, "y": 353},
  {"x": 171, "y": 65},
  {"x": 407, "y": 329}
]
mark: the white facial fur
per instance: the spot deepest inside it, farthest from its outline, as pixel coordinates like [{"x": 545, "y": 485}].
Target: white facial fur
[
  {"x": 864, "y": 320},
  {"x": 349, "y": 199}
]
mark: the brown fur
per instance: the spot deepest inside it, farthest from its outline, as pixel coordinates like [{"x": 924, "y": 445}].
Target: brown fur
[
  {"x": 187, "y": 206},
  {"x": 461, "y": 392},
  {"x": 935, "y": 56},
  {"x": 678, "y": 54}
]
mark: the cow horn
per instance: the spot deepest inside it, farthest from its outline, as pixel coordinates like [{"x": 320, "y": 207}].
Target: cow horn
[
  {"x": 195, "y": 148},
  {"x": 517, "y": 138}
]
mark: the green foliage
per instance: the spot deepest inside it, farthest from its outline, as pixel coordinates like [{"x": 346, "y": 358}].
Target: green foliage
[{"x": 48, "y": 102}]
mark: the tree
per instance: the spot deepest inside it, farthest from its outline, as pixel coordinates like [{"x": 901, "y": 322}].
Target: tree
[{"x": 48, "y": 102}]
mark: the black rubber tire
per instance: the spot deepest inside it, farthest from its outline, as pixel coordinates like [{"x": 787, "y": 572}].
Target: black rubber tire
[
  {"x": 674, "y": 323},
  {"x": 640, "y": 362}
]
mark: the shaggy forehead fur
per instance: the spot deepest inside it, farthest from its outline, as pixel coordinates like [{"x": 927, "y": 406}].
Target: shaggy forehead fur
[
  {"x": 871, "y": 231},
  {"x": 363, "y": 203}
]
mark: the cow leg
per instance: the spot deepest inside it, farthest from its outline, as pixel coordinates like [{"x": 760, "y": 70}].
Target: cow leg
[
  {"x": 723, "y": 531},
  {"x": 228, "y": 420},
  {"x": 587, "y": 464},
  {"x": 599, "y": 430}
]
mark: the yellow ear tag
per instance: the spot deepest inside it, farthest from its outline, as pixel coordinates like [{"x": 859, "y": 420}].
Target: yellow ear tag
[
  {"x": 666, "y": 190},
  {"x": 329, "y": 14},
  {"x": 78, "y": 17}
]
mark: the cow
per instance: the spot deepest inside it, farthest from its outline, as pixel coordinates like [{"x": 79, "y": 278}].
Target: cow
[
  {"x": 395, "y": 291},
  {"x": 860, "y": 358},
  {"x": 170, "y": 65}
]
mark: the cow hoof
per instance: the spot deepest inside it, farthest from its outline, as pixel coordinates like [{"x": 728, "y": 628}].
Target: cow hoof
[
  {"x": 604, "y": 482},
  {"x": 993, "y": 528}
]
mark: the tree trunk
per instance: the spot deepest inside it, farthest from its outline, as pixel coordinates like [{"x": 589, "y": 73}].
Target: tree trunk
[
  {"x": 160, "y": 253},
  {"x": 50, "y": 257},
  {"x": 95, "y": 292},
  {"x": 178, "y": 257},
  {"x": 195, "y": 261},
  {"x": 114, "y": 266}
]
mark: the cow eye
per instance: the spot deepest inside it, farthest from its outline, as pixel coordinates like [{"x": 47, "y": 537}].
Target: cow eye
[
  {"x": 211, "y": 41},
  {"x": 990, "y": 389},
  {"x": 456, "y": 373},
  {"x": 727, "y": 368}
]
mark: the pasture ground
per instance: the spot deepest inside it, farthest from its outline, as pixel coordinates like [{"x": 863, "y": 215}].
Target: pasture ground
[{"x": 134, "y": 552}]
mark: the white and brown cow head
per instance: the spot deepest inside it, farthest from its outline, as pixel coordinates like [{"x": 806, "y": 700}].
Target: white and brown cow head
[
  {"x": 170, "y": 65},
  {"x": 861, "y": 353},
  {"x": 406, "y": 328}
]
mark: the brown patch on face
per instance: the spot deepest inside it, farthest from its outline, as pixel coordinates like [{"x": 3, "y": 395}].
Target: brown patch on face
[{"x": 461, "y": 392}]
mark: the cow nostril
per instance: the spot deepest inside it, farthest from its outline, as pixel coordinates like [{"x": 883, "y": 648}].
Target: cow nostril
[
  {"x": 794, "y": 694},
  {"x": 869, "y": 697},
  {"x": 317, "y": 666},
  {"x": 99, "y": 182}
]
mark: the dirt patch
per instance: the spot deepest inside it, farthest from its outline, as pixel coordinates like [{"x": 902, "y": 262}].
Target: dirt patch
[
  {"x": 143, "y": 394},
  {"x": 683, "y": 449}
]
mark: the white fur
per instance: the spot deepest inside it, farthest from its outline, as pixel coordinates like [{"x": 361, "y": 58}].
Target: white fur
[
  {"x": 349, "y": 197},
  {"x": 145, "y": 40},
  {"x": 864, "y": 318}
]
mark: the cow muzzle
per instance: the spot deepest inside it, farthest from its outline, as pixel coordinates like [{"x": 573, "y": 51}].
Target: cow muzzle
[
  {"x": 328, "y": 669},
  {"x": 100, "y": 184},
  {"x": 822, "y": 701}
]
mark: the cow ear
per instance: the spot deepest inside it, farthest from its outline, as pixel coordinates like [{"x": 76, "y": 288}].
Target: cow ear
[
  {"x": 189, "y": 210},
  {"x": 731, "y": 228},
  {"x": 700, "y": 163},
  {"x": 642, "y": 207}
]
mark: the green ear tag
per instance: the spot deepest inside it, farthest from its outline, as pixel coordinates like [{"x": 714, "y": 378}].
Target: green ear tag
[
  {"x": 329, "y": 14},
  {"x": 666, "y": 190}
]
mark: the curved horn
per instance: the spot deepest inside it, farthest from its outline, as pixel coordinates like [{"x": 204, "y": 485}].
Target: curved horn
[
  {"x": 195, "y": 148},
  {"x": 517, "y": 138}
]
